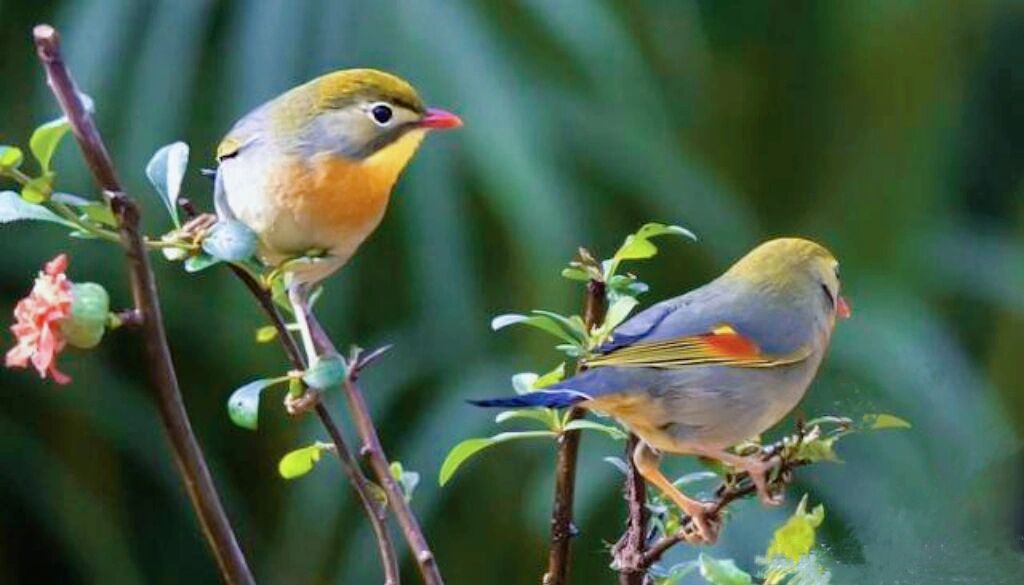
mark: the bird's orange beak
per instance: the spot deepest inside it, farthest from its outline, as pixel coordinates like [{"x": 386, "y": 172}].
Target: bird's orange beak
[
  {"x": 439, "y": 119},
  {"x": 843, "y": 308}
]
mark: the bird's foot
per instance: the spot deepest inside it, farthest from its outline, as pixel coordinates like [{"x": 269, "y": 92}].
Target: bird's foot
[
  {"x": 703, "y": 527},
  {"x": 758, "y": 471}
]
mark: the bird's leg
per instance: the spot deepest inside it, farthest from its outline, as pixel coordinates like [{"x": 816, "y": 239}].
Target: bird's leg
[
  {"x": 647, "y": 460},
  {"x": 298, "y": 295},
  {"x": 756, "y": 468}
]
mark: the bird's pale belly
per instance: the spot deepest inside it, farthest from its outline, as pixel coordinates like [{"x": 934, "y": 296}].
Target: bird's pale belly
[{"x": 328, "y": 204}]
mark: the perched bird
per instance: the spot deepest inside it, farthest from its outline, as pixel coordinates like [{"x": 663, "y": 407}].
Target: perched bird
[
  {"x": 699, "y": 373},
  {"x": 311, "y": 171}
]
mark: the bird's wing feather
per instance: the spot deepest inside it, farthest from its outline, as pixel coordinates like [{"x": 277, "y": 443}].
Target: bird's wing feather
[
  {"x": 720, "y": 346},
  {"x": 719, "y": 323}
]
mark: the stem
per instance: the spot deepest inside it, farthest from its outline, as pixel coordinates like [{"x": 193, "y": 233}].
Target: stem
[
  {"x": 629, "y": 551},
  {"x": 374, "y": 452},
  {"x": 562, "y": 529},
  {"x": 187, "y": 454},
  {"x": 374, "y": 511}
]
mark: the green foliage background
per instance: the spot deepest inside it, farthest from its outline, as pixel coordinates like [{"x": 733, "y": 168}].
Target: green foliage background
[{"x": 892, "y": 131}]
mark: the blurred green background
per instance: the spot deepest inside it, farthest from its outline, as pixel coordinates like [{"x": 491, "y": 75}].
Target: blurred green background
[{"x": 891, "y": 131}]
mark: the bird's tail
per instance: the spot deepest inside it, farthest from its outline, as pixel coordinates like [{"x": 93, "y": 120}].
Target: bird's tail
[{"x": 546, "y": 398}]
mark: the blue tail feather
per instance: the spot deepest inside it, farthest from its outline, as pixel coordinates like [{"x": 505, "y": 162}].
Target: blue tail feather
[{"x": 545, "y": 398}]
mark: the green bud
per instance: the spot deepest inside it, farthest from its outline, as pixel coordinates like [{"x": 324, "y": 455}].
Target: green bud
[{"x": 90, "y": 310}]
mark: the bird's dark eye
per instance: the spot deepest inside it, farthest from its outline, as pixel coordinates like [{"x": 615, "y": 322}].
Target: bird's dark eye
[
  {"x": 381, "y": 114},
  {"x": 828, "y": 295}
]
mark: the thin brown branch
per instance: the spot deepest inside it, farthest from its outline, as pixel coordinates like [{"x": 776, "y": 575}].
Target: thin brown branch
[
  {"x": 374, "y": 452},
  {"x": 562, "y": 530},
  {"x": 187, "y": 454},
  {"x": 628, "y": 553},
  {"x": 376, "y": 512}
]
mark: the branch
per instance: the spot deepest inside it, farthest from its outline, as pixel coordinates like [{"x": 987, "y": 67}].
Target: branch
[
  {"x": 187, "y": 454},
  {"x": 562, "y": 529},
  {"x": 628, "y": 553},
  {"x": 374, "y": 452},
  {"x": 374, "y": 511}
]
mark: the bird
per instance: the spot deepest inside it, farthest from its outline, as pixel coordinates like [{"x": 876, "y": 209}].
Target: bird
[
  {"x": 311, "y": 171},
  {"x": 702, "y": 372}
]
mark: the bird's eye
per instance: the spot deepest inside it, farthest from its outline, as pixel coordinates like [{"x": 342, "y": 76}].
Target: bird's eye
[{"x": 381, "y": 114}]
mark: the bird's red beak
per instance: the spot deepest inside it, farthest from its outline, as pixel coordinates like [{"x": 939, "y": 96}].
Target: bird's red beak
[
  {"x": 843, "y": 308},
  {"x": 439, "y": 119}
]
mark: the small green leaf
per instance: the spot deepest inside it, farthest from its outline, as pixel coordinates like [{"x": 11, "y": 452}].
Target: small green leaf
[
  {"x": 327, "y": 372},
  {"x": 231, "y": 241},
  {"x": 638, "y": 245},
  {"x": 553, "y": 377},
  {"x": 542, "y": 322},
  {"x": 244, "y": 403},
  {"x": 617, "y": 463},
  {"x": 722, "y": 572},
  {"x": 165, "y": 171},
  {"x": 537, "y": 414},
  {"x": 618, "y": 312},
  {"x": 466, "y": 449},
  {"x": 38, "y": 189},
  {"x": 90, "y": 309},
  {"x": 295, "y": 387},
  {"x": 266, "y": 334},
  {"x": 820, "y": 449},
  {"x": 407, "y": 480},
  {"x": 876, "y": 422},
  {"x": 11, "y": 157},
  {"x": 45, "y": 140},
  {"x": 524, "y": 383},
  {"x": 199, "y": 262},
  {"x": 300, "y": 461},
  {"x": 573, "y": 273},
  {"x": 100, "y": 213},
  {"x": 583, "y": 424},
  {"x": 14, "y": 208},
  {"x": 795, "y": 538}
]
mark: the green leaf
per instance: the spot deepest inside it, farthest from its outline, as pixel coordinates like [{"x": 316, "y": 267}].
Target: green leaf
[
  {"x": 537, "y": 414},
  {"x": 244, "y": 403},
  {"x": 553, "y": 377},
  {"x": 90, "y": 309},
  {"x": 880, "y": 421},
  {"x": 327, "y": 372},
  {"x": 820, "y": 449},
  {"x": 266, "y": 334},
  {"x": 466, "y": 449},
  {"x": 407, "y": 480},
  {"x": 300, "y": 461},
  {"x": 231, "y": 241},
  {"x": 573, "y": 273},
  {"x": 45, "y": 140},
  {"x": 583, "y": 424},
  {"x": 675, "y": 574},
  {"x": 38, "y": 189},
  {"x": 11, "y": 157},
  {"x": 200, "y": 262},
  {"x": 544, "y": 322},
  {"x": 618, "y": 312},
  {"x": 722, "y": 572},
  {"x": 100, "y": 213},
  {"x": 638, "y": 245},
  {"x": 165, "y": 171},
  {"x": 14, "y": 208},
  {"x": 795, "y": 538}
]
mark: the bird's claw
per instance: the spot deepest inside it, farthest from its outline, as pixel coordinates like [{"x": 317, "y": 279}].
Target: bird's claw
[
  {"x": 759, "y": 475},
  {"x": 703, "y": 527}
]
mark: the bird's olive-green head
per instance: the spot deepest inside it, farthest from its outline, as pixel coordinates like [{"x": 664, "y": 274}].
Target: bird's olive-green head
[
  {"x": 793, "y": 267},
  {"x": 354, "y": 113}
]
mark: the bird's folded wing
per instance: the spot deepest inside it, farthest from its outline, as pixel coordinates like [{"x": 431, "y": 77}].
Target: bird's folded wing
[{"x": 720, "y": 346}]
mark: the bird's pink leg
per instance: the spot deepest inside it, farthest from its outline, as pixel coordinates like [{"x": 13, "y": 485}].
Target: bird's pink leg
[
  {"x": 647, "y": 460},
  {"x": 755, "y": 467}
]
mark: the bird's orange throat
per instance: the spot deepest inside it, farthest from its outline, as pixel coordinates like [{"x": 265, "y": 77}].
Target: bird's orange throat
[{"x": 342, "y": 195}]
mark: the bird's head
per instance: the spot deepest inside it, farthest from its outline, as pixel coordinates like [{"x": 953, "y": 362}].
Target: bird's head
[
  {"x": 796, "y": 268},
  {"x": 361, "y": 114}
]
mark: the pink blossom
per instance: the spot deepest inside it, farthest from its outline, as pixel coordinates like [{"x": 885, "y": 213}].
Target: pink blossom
[{"x": 37, "y": 322}]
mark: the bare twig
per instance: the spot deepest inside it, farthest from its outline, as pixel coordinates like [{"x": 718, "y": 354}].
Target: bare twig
[
  {"x": 374, "y": 452},
  {"x": 375, "y": 511},
  {"x": 562, "y": 529},
  {"x": 187, "y": 454}
]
